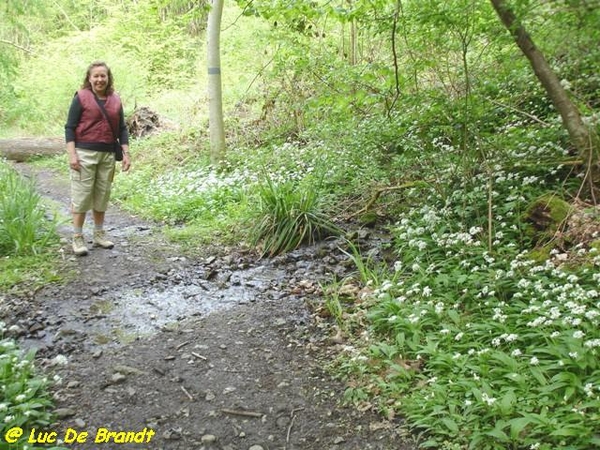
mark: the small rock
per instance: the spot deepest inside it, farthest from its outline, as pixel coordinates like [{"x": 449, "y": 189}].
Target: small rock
[
  {"x": 127, "y": 370},
  {"x": 118, "y": 378},
  {"x": 63, "y": 413},
  {"x": 172, "y": 434},
  {"x": 35, "y": 327},
  {"x": 283, "y": 421},
  {"x": 256, "y": 447},
  {"x": 79, "y": 423},
  {"x": 209, "y": 439}
]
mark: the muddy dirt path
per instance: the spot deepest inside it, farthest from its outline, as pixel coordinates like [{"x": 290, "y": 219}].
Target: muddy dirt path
[{"x": 217, "y": 351}]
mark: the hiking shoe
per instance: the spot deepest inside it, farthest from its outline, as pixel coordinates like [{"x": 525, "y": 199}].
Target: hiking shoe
[
  {"x": 79, "y": 247},
  {"x": 101, "y": 241}
]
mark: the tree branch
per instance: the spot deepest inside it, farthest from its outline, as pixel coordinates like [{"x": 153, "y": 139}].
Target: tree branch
[
  {"x": 4, "y": 41},
  {"x": 526, "y": 114},
  {"x": 66, "y": 16}
]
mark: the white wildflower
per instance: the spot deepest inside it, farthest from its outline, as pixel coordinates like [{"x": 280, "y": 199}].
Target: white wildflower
[
  {"x": 487, "y": 399},
  {"x": 589, "y": 389}
]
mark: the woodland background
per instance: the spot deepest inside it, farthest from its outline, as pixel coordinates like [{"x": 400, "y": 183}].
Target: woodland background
[{"x": 422, "y": 118}]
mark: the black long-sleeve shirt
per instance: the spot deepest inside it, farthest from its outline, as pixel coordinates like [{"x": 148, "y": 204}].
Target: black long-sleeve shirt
[{"x": 73, "y": 120}]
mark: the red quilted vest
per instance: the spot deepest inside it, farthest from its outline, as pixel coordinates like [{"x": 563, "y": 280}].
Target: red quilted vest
[{"x": 92, "y": 126}]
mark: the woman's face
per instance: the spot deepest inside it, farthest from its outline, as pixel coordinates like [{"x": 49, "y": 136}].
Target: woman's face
[{"x": 99, "y": 79}]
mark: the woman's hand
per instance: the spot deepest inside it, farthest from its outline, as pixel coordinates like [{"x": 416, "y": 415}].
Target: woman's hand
[
  {"x": 126, "y": 163},
  {"x": 74, "y": 161}
]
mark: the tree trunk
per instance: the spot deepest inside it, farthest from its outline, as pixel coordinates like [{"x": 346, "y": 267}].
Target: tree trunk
[
  {"x": 215, "y": 97},
  {"x": 584, "y": 140},
  {"x": 23, "y": 149}
]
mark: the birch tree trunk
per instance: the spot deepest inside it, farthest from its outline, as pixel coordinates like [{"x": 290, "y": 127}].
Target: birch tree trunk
[
  {"x": 215, "y": 97},
  {"x": 585, "y": 141}
]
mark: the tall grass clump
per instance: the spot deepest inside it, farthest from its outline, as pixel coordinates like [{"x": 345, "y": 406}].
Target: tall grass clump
[
  {"x": 24, "y": 228},
  {"x": 289, "y": 214}
]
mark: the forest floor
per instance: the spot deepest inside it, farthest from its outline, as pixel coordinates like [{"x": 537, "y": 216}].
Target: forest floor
[{"x": 210, "y": 348}]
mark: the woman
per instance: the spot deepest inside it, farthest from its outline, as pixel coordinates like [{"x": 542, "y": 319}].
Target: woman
[{"x": 94, "y": 123}]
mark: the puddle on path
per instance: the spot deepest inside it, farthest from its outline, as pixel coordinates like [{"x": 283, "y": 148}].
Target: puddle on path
[{"x": 140, "y": 312}]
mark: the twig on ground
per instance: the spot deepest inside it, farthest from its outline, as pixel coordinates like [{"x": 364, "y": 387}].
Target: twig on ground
[
  {"x": 289, "y": 431},
  {"x": 199, "y": 356},
  {"x": 183, "y": 344},
  {"x": 185, "y": 391},
  {"x": 239, "y": 412}
]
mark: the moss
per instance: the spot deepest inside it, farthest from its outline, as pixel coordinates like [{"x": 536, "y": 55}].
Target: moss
[
  {"x": 368, "y": 219},
  {"x": 559, "y": 209},
  {"x": 545, "y": 216},
  {"x": 548, "y": 211},
  {"x": 540, "y": 254}
]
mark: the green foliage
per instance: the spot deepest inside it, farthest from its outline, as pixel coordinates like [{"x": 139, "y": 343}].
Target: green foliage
[
  {"x": 190, "y": 194},
  {"x": 288, "y": 215},
  {"x": 24, "y": 227},
  {"x": 31, "y": 271},
  {"x": 476, "y": 338},
  {"x": 368, "y": 269},
  {"x": 25, "y": 400},
  {"x": 176, "y": 185},
  {"x": 470, "y": 339}
]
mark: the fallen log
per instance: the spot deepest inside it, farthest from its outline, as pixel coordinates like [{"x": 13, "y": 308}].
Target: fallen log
[{"x": 23, "y": 149}]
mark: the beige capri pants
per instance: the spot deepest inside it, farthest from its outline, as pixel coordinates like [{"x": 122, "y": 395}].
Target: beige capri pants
[{"x": 90, "y": 186}]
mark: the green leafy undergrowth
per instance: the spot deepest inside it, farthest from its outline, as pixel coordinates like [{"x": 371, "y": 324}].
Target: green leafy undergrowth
[
  {"x": 24, "y": 225},
  {"x": 488, "y": 350},
  {"x": 471, "y": 339},
  {"x": 28, "y": 237},
  {"x": 31, "y": 270},
  {"x": 24, "y": 398}
]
